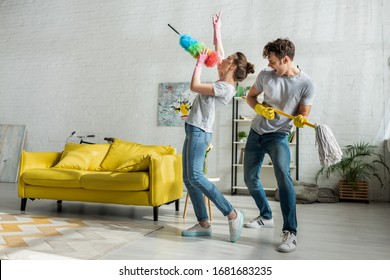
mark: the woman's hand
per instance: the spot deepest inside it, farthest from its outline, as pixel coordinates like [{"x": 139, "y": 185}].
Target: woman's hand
[
  {"x": 217, "y": 27},
  {"x": 196, "y": 84},
  {"x": 202, "y": 57}
]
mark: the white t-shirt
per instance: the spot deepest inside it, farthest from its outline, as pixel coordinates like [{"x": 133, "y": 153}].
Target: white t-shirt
[
  {"x": 203, "y": 108},
  {"x": 283, "y": 93}
]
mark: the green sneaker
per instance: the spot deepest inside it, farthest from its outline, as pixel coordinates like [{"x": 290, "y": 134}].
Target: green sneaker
[
  {"x": 235, "y": 226},
  {"x": 197, "y": 230}
]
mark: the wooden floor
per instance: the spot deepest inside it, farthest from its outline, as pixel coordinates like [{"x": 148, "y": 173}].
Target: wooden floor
[{"x": 334, "y": 231}]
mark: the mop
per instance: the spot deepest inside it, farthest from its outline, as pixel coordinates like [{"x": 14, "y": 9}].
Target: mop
[{"x": 329, "y": 151}]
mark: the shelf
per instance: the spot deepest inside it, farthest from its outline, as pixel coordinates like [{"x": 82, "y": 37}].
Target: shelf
[
  {"x": 265, "y": 165},
  {"x": 245, "y": 188},
  {"x": 238, "y": 143},
  {"x": 239, "y": 188},
  {"x": 242, "y": 120},
  {"x": 270, "y": 189}
]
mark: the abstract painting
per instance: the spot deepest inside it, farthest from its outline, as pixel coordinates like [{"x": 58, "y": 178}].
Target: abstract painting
[{"x": 174, "y": 103}]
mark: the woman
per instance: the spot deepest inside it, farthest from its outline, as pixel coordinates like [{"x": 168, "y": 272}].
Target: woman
[{"x": 198, "y": 128}]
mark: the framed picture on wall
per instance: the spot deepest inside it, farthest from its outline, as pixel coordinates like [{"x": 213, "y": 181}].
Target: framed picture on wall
[{"x": 174, "y": 103}]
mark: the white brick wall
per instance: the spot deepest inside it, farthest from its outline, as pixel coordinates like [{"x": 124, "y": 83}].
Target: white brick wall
[{"x": 94, "y": 66}]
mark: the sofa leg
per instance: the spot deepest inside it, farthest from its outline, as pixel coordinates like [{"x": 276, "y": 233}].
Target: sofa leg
[
  {"x": 59, "y": 205},
  {"x": 155, "y": 213},
  {"x": 23, "y": 204},
  {"x": 177, "y": 205}
]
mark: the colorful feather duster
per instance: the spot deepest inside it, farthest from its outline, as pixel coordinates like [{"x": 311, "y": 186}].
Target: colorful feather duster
[{"x": 193, "y": 47}]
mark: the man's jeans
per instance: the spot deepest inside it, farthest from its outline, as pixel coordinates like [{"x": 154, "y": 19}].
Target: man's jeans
[{"x": 277, "y": 147}]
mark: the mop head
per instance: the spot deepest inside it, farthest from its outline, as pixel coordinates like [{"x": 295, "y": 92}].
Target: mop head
[{"x": 328, "y": 150}]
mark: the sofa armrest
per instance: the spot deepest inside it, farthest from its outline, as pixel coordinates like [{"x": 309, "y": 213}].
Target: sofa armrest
[
  {"x": 31, "y": 160},
  {"x": 166, "y": 180}
]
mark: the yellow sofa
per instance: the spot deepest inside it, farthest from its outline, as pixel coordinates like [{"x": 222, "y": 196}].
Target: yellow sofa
[{"x": 120, "y": 173}]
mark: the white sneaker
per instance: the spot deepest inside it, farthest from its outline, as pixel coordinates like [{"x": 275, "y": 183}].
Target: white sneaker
[
  {"x": 259, "y": 223},
  {"x": 235, "y": 226},
  {"x": 197, "y": 230},
  {"x": 289, "y": 242}
]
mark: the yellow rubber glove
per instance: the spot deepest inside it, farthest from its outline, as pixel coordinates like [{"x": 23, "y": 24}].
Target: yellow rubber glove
[
  {"x": 266, "y": 112},
  {"x": 299, "y": 121}
]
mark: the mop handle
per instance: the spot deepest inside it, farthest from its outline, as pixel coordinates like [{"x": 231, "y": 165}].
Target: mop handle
[{"x": 292, "y": 117}]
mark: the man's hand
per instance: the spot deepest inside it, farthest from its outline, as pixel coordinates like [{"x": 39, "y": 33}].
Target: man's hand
[
  {"x": 299, "y": 121},
  {"x": 266, "y": 112}
]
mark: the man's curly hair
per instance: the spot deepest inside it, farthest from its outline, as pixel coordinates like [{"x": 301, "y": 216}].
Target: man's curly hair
[{"x": 280, "y": 48}]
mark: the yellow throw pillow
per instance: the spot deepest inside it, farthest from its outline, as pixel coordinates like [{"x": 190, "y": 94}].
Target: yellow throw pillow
[
  {"x": 82, "y": 156},
  {"x": 137, "y": 163},
  {"x": 77, "y": 159},
  {"x": 120, "y": 151},
  {"x": 97, "y": 159}
]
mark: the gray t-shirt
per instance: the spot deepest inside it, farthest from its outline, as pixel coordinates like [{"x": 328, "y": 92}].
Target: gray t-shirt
[
  {"x": 283, "y": 93},
  {"x": 203, "y": 108}
]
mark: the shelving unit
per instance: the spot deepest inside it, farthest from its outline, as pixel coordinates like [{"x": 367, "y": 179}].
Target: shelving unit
[{"x": 267, "y": 177}]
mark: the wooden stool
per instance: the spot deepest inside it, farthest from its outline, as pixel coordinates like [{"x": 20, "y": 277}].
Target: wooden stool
[{"x": 206, "y": 201}]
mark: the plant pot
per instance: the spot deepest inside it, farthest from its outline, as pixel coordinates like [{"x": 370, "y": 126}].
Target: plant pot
[{"x": 357, "y": 191}]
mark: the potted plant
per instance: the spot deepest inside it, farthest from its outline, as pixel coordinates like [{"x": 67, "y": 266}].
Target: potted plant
[
  {"x": 242, "y": 135},
  {"x": 359, "y": 164}
]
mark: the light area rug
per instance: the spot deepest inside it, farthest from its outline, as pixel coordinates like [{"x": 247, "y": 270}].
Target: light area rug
[{"x": 29, "y": 237}]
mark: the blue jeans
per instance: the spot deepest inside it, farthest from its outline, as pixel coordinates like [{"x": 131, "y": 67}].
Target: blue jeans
[
  {"x": 276, "y": 146},
  {"x": 194, "y": 150}
]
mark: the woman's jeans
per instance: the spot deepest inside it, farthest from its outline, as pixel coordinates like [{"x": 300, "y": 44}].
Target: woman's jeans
[
  {"x": 277, "y": 147},
  {"x": 194, "y": 151}
]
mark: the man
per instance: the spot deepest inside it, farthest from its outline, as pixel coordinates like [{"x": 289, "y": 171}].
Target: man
[{"x": 289, "y": 89}]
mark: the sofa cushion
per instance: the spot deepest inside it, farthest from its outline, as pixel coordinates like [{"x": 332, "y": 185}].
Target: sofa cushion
[
  {"x": 133, "y": 164},
  {"x": 82, "y": 156},
  {"x": 115, "y": 181},
  {"x": 50, "y": 177},
  {"x": 121, "y": 151},
  {"x": 100, "y": 153},
  {"x": 76, "y": 159}
]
